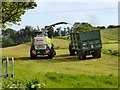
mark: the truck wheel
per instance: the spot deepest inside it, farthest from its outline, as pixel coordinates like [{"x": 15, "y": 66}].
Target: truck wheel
[
  {"x": 70, "y": 50},
  {"x": 98, "y": 55},
  {"x": 72, "y": 53},
  {"x": 84, "y": 56},
  {"x": 94, "y": 54},
  {"x": 81, "y": 56}
]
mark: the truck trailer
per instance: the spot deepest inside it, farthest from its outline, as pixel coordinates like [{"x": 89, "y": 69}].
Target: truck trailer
[{"x": 85, "y": 43}]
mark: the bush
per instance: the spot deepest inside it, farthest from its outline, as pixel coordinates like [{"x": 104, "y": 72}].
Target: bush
[
  {"x": 18, "y": 83},
  {"x": 111, "y": 52}
]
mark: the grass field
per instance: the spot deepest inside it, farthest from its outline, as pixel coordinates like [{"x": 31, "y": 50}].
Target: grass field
[
  {"x": 63, "y": 71},
  {"x": 111, "y": 34}
]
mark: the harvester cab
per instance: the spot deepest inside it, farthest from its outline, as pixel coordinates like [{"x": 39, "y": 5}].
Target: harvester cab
[{"x": 41, "y": 43}]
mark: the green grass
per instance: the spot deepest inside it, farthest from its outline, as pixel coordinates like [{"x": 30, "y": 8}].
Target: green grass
[
  {"x": 63, "y": 71},
  {"x": 59, "y": 80},
  {"x": 111, "y": 34}
]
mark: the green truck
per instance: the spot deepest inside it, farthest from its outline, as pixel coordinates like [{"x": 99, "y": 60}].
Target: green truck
[{"x": 85, "y": 43}]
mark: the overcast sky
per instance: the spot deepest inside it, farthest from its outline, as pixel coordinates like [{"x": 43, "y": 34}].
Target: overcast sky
[{"x": 94, "y": 12}]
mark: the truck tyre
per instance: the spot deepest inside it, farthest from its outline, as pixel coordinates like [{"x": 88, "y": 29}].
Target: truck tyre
[
  {"x": 72, "y": 53},
  {"x": 98, "y": 55},
  {"x": 81, "y": 56},
  {"x": 94, "y": 54}
]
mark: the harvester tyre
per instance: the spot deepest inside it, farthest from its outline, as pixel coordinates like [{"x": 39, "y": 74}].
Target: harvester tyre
[
  {"x": 32, "y": 56},
  {"x": 50, "y": 56}
]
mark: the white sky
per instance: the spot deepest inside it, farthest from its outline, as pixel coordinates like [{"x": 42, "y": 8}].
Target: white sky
[{"x": 95, "y": 12}]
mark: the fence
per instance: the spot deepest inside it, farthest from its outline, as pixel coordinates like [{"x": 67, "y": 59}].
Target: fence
[{"x": 6, "y": 73}]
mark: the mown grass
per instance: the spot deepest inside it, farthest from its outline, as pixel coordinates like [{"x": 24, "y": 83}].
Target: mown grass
[
  {"x": 63, "y": 63},
  {"x": 64, "y": 71}
]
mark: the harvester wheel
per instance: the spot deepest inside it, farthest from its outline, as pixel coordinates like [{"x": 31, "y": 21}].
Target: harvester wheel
[
  {"x": 50, "y": 56},
  {"x": 32, "y": 56}
]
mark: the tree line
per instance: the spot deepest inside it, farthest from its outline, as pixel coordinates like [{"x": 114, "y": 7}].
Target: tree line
[{"x": 12, "y": 37}]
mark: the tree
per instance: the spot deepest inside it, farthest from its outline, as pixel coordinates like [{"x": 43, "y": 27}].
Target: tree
[
  {"x": 68, "y": 30},
  {"x": 12, "y": 11},
  {"x": 101, "y": 27},
  {"x": 59, "y": 31},
  {"x": 112, "y": 26},
  {"x": 83, "y": 27}
]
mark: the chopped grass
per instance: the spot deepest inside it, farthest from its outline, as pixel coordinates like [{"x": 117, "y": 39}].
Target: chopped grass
[{"x": 63, "y": 71}]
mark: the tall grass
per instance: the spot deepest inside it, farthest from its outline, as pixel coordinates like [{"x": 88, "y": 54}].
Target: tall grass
[{"x": 59, "y": 80}]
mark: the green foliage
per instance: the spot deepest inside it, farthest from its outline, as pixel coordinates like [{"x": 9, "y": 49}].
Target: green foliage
[
  {"x": 83, "y": 27},
  {"x": 113, "y": 26},
  {"x": 7, "y": 42},
  {"x": 12, "y": 11},
  {"x": 111, "y": 52},
  {"x": 33, "y": 83},
  {"x": 59, "y": 80},
  {"x": 11, "y": 37}
]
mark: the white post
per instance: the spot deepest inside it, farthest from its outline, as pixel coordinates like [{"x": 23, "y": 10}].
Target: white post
[
  {"x": 7, "y": 63},
  {"x": 2, "y": 67},
  {"x": 12, "y": 66}
]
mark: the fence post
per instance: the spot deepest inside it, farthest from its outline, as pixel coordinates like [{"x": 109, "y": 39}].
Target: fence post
[
  {"x": 7, "y": 73},
  {"x": 12, "y": 67},
  {"x": 7, "y": 65},
  {"x": 2, "y": 66}
]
